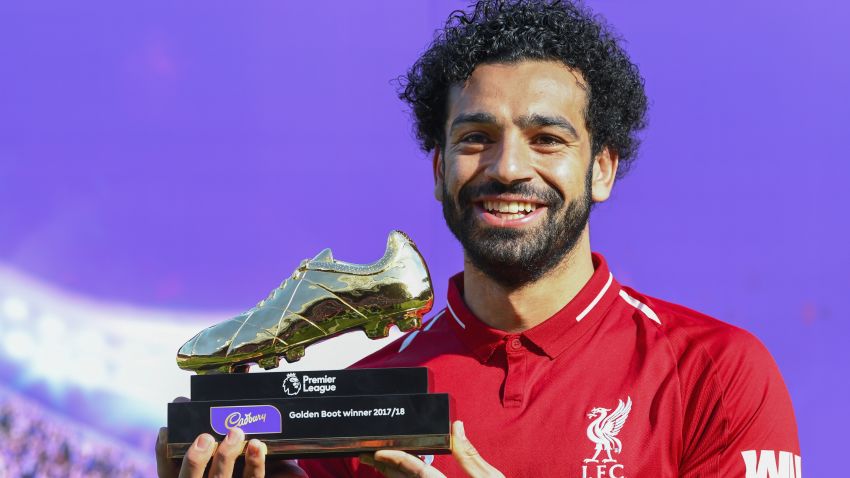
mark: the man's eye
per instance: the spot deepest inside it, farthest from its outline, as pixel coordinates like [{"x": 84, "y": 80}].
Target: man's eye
[
  {"x": 475, "y": 138},
  {"x": 547, "y": 140}
]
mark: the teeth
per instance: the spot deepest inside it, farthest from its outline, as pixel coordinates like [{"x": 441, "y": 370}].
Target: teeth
[{"x": 509, "y": 207}]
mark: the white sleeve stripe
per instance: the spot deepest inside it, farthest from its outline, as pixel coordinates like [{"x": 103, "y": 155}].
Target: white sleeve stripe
[
  {"x": 460, "y": 322},
  {"x": 640, "y": 306},
  {"x": 407, "y": 340},
  {"x": 434, "y": 320},
  {"x": 596, "y": 299}
]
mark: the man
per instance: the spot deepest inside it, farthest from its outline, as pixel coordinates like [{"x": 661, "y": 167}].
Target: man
[{"x": 531, "y": 110}]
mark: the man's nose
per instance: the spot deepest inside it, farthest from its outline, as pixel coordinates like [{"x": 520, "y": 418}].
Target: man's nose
[{"x": 510, "y": 162}]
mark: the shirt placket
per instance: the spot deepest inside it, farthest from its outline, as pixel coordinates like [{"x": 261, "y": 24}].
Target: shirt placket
[{"x": 516, "y": 374}]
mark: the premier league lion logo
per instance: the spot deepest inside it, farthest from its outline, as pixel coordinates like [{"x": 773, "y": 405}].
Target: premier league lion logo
[{"x": 291, "y": 384}]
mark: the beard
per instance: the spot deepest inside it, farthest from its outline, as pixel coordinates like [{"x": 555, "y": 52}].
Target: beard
[{"x": 517, "y": 257}]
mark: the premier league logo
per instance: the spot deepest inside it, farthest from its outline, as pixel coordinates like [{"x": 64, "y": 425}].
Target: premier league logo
[{"x": 291, "y": 384}]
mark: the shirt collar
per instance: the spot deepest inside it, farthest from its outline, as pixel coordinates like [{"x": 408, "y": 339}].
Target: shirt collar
[{"x": 552, "y": 336}]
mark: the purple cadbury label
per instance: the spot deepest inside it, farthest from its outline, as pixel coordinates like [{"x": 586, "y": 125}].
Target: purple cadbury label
[{"x": 250, "y": 418}]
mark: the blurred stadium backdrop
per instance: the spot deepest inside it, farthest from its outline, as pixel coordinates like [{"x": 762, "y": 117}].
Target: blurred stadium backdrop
[{"x": 164, "y": 165}]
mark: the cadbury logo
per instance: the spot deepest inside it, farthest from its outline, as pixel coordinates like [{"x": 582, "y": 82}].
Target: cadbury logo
[
  {"x": 250, "y": 418},
  {"x": 236, "y": 419}
]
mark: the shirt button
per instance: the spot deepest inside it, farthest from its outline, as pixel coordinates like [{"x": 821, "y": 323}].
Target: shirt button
[{"x": 515, "y": 344}]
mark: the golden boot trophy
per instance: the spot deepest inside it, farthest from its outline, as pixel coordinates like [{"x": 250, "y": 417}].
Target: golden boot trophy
[
  {"x": 317, "y": 413},
  {"x": 322, "y": 298}
]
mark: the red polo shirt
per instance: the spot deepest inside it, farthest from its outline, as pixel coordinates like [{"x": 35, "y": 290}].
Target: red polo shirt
[{"x": 616, "y": 384}]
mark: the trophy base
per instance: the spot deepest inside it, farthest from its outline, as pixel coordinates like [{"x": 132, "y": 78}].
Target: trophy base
[
  {"x": 320, "y": 426},
  {"x": 324, "y": 447}
]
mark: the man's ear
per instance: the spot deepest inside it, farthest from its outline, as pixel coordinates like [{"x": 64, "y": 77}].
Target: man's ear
[
  {"x": 604, "y": 173},
  {"x": 439, "y": 171}
]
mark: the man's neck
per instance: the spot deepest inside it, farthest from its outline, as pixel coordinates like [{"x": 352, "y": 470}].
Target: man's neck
[{"x": 516, "y": 310}]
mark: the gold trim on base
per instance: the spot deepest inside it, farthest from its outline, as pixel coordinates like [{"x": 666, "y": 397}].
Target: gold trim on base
[{"x": 304, "y": 447}]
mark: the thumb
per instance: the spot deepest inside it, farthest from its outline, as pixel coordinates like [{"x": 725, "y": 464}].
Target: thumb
[{"x": 467, "y": 456}]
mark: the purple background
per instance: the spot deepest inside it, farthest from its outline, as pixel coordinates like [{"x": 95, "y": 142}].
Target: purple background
[{"x": 186, "y": 156}]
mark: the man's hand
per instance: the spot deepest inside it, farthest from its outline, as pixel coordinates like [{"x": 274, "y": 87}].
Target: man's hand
[
  {"x": 223, "y": 457},
  {"x": 398, "y": 464}
]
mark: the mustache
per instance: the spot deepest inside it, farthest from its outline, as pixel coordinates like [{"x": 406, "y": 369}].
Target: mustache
[{"x": 469, "y": 192}]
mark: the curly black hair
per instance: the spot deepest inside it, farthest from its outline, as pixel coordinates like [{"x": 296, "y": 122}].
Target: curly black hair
[{"x": 500, "y": 31}]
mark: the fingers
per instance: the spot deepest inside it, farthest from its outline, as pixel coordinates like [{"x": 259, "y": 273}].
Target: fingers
[
  {"x": 255, "y": 459},
  {"x": 197, "y": 457},
  {"x": 165, "y": 468},
  {"x": 225, "y": 456},
  {"x": 467, "y": 456},
  {"x": 256, "y": 466},
  {"x": 398, "y": 464}
]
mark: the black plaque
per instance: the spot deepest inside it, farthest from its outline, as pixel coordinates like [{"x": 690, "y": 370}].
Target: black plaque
[
  {"x": 320, "y": 426},
  {"x": 316, "y": 383}
]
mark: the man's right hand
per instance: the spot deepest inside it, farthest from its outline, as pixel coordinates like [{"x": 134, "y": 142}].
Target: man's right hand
[
  {"x": 398, "y": 464},
  {"x": 223, "y": 456}
]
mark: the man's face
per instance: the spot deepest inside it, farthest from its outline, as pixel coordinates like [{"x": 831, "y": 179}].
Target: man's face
[{"x": 515, "y": 176}]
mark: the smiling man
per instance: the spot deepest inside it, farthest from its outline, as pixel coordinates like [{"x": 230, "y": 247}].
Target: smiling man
[{"x": 530, "y": 110}]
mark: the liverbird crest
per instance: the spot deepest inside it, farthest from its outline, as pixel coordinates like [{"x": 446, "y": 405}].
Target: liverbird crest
[{"x": 604, "y": 429}]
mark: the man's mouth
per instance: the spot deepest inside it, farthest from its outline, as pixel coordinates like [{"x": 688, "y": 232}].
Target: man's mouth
[
  {"x": 509, "y": 209},
  {"x": 500, "y": 212}
]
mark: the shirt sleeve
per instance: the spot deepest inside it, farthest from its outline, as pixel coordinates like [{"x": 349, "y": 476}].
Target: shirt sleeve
[
  {"x": 738, "y": 418},
  {"x": 337, "y": 468},
  {"x": 325, "y": 468}
]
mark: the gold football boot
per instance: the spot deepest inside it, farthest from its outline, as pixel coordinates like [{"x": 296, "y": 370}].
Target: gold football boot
[{"x": 322, "y": 298}]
